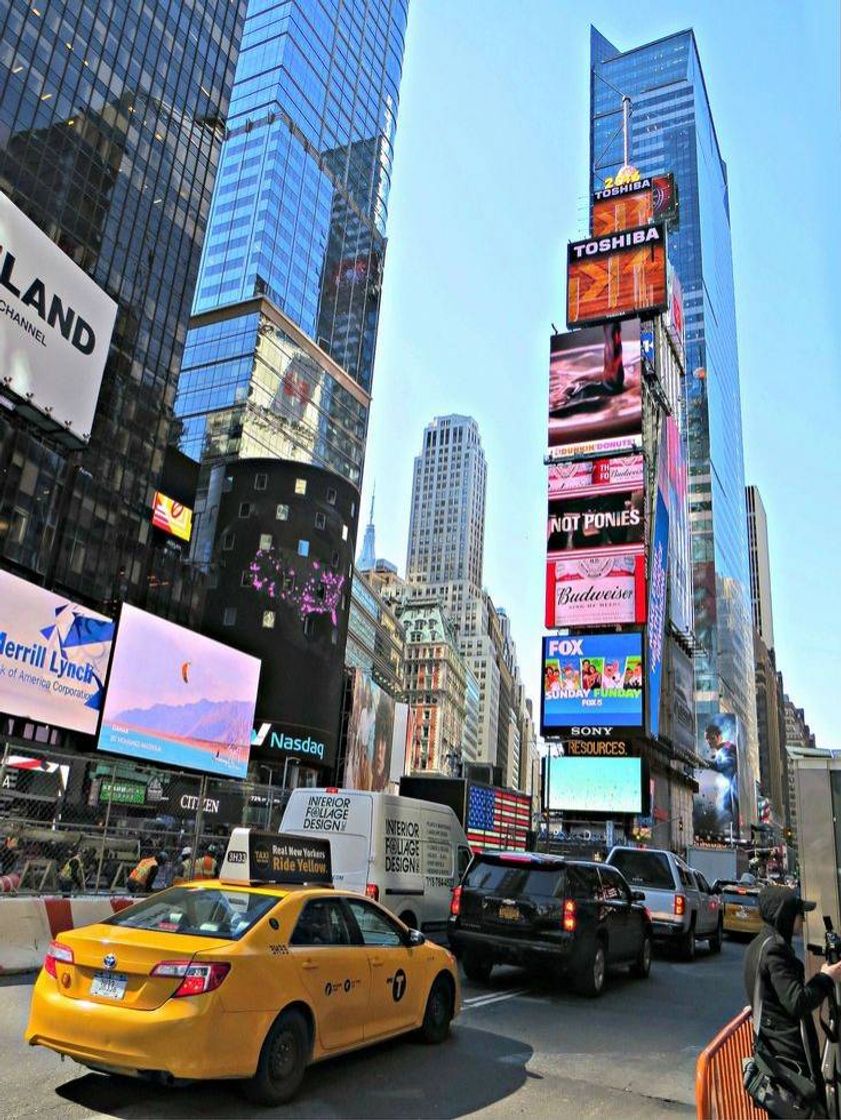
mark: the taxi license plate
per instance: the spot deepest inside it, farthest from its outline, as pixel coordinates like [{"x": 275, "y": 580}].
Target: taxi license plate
[
  {"x": 109, "y": 985},
  {"x": 509, "y": 913}
]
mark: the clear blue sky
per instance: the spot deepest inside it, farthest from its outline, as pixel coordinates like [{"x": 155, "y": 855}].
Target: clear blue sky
[{"x": 490, "y": 181}]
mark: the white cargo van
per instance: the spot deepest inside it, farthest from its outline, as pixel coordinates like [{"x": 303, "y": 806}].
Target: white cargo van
[{"x": 407, "y": 854}]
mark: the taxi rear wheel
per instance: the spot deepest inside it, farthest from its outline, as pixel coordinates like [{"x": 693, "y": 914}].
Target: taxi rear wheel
[
  {"x": 439, "y": 1011},
  {"x": 283, "y": 1061}
]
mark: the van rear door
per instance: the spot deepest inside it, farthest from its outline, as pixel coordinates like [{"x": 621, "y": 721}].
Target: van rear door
[{"x": 343, "y": 817}]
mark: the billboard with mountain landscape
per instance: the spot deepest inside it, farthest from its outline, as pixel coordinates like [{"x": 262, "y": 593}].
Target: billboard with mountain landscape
[{"x": 177, "y": 697}]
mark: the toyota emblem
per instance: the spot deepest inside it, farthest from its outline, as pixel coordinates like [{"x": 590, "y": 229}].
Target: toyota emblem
[{"x": 110, "y": 961}]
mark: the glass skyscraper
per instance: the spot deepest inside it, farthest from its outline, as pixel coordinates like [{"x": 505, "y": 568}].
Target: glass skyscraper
[
  {"x": 280, "y": 355},
  {"x": 672, "y": 129},
  {"x": 111, "y": 122}
]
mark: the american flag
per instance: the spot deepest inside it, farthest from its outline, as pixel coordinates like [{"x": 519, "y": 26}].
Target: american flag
[{"x": 497, "y": 818}]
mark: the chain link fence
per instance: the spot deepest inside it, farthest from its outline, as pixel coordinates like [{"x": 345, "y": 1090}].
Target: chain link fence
[{"x": 79, "y": 824}]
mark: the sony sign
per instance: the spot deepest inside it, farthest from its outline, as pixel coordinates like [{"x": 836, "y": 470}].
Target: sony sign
[{"x": 55, "y": 326}]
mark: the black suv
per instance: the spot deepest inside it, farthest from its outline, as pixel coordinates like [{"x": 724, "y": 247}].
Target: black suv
[{"x": 535, "y": 910}]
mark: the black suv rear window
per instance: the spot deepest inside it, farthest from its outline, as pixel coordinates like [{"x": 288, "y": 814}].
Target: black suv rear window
[
  {"x": 644, "y": 869},
  {"x": 515, "y": 880}
]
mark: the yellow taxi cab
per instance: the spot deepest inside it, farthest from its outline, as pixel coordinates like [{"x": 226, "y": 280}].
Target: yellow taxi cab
[
  {"x": 253, "y": 976},
  {"x": 740, "y": 903}
]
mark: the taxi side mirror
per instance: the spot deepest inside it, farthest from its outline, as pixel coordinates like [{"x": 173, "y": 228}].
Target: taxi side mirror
[
  {"x": 638, "y": 896},
  {"x": 414, "y": 937}
]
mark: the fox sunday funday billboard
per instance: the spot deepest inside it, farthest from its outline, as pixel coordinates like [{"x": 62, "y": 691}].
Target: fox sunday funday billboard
[
  {"x": 177, "y": 697},
  {"x": 591, "y": 679}
]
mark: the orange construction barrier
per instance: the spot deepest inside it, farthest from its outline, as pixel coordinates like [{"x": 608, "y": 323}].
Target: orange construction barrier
[{"x": 719, "y": 1092}]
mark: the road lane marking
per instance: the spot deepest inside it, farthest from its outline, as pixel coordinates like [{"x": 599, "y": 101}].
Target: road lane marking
[{"x": 493, "y": 997}]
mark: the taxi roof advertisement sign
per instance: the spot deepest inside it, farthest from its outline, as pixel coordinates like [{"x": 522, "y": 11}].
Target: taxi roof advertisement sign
[
  {"x": 618, "y": 275},
  {"x": 268, "y": 857},
  {"x": 591, "y": 679}
]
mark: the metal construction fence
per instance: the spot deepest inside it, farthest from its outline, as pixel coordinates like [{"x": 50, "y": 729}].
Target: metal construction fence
[{"x": 110, "y": 814}]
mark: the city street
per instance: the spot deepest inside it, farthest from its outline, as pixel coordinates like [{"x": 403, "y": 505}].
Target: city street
[{"x": 519, "y": 1048}]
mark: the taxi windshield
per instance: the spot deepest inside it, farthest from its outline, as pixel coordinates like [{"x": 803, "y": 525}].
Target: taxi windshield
[{"x": 199, "y": 912}]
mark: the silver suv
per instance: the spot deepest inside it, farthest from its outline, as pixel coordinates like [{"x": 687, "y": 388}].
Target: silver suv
[{"x": 681, "y": 902}]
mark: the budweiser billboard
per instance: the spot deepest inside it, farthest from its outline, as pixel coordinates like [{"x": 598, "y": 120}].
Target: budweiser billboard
[{"x": 593, "y": 589}]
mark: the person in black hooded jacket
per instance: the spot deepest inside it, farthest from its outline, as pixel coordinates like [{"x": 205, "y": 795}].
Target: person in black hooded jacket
[{"x": 787, "y": 1046}]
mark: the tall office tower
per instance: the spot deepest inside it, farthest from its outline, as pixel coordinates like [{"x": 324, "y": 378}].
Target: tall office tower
[
  {"x": 447, "y": 526},
  {"x": 112, "y": 119},
  {"x": 672, "y": 129},
  {"x": 760, "y": 566},
  {"x": 279, "y": 358}
]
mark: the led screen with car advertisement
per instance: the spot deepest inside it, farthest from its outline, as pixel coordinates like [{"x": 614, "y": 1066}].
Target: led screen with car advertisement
[
  {"x": 179, "y": 698},
  {"x": 596, "y": 785},
  {"x": 55, "y": 328},
  {"x": 595, "y": 394},
  {"x": 595, "y": 589},
  {"x": 680, "y": 554},
  {"x": 618, "y": 275},
  {"x": 591, "y": 679},
  {"x": 718, "y": 809},
  {"x": 54, "y": 656}
]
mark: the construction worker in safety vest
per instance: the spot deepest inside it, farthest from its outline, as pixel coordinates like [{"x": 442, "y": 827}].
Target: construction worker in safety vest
[
  {"x": 142, "y": 878},
  {"x": 206, "y": 866},
  {"x": 72, "y": 875}
]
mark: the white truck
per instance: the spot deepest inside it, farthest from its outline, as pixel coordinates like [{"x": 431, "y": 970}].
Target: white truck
[
  {"x": 725, "y": 864},
  {"x": 405, "y": 853}
]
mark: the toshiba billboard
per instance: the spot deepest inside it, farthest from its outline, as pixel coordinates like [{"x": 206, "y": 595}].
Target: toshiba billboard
[
  {"x": 55, "y": 328},
  {"x": 618, "y": 275}
]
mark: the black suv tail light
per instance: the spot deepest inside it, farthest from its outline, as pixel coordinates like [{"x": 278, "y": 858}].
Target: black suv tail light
[{"x": 570, "y": 920}]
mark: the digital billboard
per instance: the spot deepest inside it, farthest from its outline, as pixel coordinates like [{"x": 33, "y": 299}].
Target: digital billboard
[
  {"x": 55, "y": 328},
  {"x": 717, "y": 809},
  {"x": 370, "y": 736},
  {"x": 597, "y": 785},
  {"x": 618, "y": 275},
  {"x": 595, "y": 394},
  {"x": 634, "y": 204},
  {"x": 53, "y": 656},
  {"x": 598, "y": 520},
  {"x": 172, "y": 517},
  {"x": 582, "y": 476},
  {"x": 680, "y": 553},
  {"x": 656, "y": 627},
  {"x": 595, "y": 589},
  {"x": 179, "y": 698},
  {"x": 591, "y": 679}
]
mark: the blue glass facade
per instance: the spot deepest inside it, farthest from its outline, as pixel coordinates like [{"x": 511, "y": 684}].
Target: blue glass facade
[
  {"x": 299, "y": 210},
  {"x": 111, "y": 123},
  {"x": 672, "y": 130}
]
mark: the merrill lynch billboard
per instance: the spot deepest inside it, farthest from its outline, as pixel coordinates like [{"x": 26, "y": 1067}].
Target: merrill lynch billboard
[{"x": 55, "y": 326}]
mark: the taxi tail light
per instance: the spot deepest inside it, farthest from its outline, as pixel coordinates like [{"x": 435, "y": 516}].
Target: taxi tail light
[
  {"x": 372, "y": 891},
  {"x": 455, "y": 902},
  {"x": 570, "y": 915},
  {"x": 196, "y": 979},
  {"x": 680, "y": 905},
  {"x": 57, "y": 952}
]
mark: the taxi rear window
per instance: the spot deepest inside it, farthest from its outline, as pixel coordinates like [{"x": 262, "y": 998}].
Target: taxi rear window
[
  {"x": 739, "y": 898},
  {"x": 216, "y": 912}
]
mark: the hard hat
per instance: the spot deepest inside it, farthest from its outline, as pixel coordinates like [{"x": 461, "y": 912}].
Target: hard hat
[
  {"x": 163, "y": 857},
  {"x": 186, "y": 852}
]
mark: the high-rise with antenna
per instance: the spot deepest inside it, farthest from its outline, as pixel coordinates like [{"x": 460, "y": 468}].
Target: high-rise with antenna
[{"x": 672, "y": 129}]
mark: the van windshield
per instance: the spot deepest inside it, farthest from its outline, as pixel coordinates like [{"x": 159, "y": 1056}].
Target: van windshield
[
  {"x": 644, "y": 869},
  {"x": 515, "y": 880}
]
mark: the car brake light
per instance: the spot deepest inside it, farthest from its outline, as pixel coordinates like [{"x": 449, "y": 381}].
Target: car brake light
[
  {"x": 372, "y": 891},
  {"x": 647, "y": 913},
  {"x": 57, "y": 952},
  {"x": 570, "y": 916},
  {"x": 196, "y": 979},
  {"x": 455, "y": 902},
  {"x": 331, "y": 789},
  {"x": 680, "y": 905}
]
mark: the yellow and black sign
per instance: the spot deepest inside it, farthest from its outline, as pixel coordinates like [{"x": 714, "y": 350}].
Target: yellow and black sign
[{"x": 266, "y": 857}]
